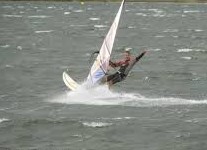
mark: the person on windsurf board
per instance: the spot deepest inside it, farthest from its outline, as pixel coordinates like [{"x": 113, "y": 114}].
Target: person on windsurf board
[{"x": 125, "y": 65}]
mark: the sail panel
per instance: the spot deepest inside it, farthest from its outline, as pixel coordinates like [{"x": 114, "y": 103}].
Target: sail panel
[{"x": 101, "y": 64}]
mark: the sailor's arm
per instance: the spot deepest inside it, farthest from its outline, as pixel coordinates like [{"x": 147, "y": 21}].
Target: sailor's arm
[
  {"x": 118, "y": 63},
  {"x": 112, "y": 64}
]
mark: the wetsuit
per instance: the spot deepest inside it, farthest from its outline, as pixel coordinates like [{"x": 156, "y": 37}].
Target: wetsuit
[
  {"x": 119, "y": 75},
  {"x": 125, "y": 66}
]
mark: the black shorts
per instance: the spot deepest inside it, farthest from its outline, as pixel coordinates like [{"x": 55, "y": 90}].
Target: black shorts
[{"x": 116, "y": 77}]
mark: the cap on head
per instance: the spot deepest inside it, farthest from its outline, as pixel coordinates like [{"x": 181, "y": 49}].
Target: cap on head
[{"x": 127, "y": 49}]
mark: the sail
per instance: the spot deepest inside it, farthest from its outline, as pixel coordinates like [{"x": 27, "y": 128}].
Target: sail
[{"x": 100, "y": 65}]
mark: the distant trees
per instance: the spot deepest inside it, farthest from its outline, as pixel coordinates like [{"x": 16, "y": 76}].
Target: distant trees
[{"x": 176, "y": 1}]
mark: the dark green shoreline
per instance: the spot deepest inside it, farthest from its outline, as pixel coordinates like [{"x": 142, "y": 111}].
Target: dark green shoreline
[{"x": 170, "y": 1}]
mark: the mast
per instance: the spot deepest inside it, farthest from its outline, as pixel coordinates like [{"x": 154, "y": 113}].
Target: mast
[{"x": 101, "y": 63}]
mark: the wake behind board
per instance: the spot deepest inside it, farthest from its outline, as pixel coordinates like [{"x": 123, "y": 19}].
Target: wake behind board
[{"x": 69, "y": 82}]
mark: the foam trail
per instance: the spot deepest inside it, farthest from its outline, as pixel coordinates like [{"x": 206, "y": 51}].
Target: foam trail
[
  {"x": 163, "y": 102},
  {"x": 101, "y": 95}
]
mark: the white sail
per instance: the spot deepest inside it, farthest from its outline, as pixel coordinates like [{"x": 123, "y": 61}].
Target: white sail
[{"x": 100, "y": 65}]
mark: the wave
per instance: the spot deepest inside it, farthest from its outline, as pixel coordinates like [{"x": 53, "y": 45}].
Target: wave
[
  {"x": 15, "y": 16},
  {"x": 100, "y": 26},
  {"x": 159, "y": 36},
  {"x": 117, "y": 118},
  {"x": 195, "y": 30},
  {"x": 131, "y": 27},
  {"x": 11, "y": 7},
  {"x": 78, "y": 25},
  {"x": 155, "y": 49},
  {"x": 101, "y": 95},
  {"x": 185, "y": 50},
  {"x": 20, "y": 7},
  {"x": 39, "y": 16},
  {"x": 51, "y": 7},
  {"x": 5, "y": 46},
  {"x": 9, "y": 66},
  {"x": 141, "y": 14},
  {"x": 78, "y": 11},
  {"x": 3, "y": 120},
  {"x": 187, "y": 58},
  {"x": 94, "y": 19},
  {"x": 192, "y": 11},
  {"x": 170, "y": 30},
  {"x": 96, "y": 124},
  {"x": 44, "y": 31},
  {"x": 66, "y": 13}
]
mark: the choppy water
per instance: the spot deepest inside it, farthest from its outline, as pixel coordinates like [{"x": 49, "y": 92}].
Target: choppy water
[{"x": 162, "y": 105}]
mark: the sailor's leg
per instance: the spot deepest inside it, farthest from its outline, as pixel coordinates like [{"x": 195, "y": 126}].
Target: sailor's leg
[
  {"x": 117, "y": 78},
  {"x": 110, "y": 77},
  {"x": 107, "y": 79}
]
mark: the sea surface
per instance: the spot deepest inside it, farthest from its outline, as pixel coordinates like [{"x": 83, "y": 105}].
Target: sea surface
[{"x": 162, "y": 105}]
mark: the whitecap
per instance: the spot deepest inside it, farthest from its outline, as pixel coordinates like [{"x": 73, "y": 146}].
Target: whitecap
[
  {"x": 15, "y": 16},
  {"x": 185, "y": 50},
  {"x": 117, "y": 118},
  {"x": 78, "y": 11},
  {"x": 170, "y": 30},
  {"x": 159, "y": 15},
  {"x": 187, "y": 58},
  {"x": 159, "y": 36},
  {"x": 155, "y": 49},
  {"x": 191, "y": 11},
  {"x": 100, "y": 26},
  {"x": 66, "y": 13},
  {"x": 77, "y": 135},
  {"x": 3, "y": 120},
  {"x": 199, "y": 30},
  {"x": 131, "y": 27},
  {"x": 196, "y": 120},
  {"x": 141, "y": 14},
  {"x": 5, "y": 46},
  {"x": 146, "y": 78},
  {"x": 50, "y": 7},
  {"x": 129, "y": 118},
  {"x": 153, "y": 9},
  {"x": 19, "y": 48},
  {"x": 9, "y": 66},
  {"x": 97, "y": 124},
  {"x": 190, "y": 50},
  {"x": 44, "y": 31},
  {"x": 94, "y": 19},
  {"x": 40, "y": 16}
]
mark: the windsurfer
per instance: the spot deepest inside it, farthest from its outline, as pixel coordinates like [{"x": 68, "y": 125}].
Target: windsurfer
[{"x": 127, "y": 62}]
